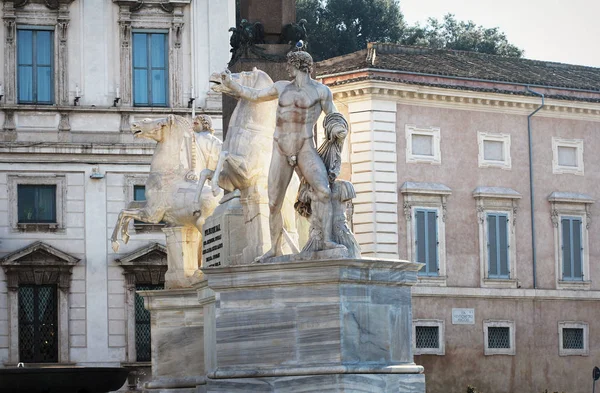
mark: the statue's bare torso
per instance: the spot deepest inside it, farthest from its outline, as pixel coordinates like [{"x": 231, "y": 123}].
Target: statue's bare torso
[{"x": 297, "y": 112}]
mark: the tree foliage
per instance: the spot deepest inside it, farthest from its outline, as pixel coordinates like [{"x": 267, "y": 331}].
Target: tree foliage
[
  {"x": 460, "y": 35},
  {"x": 338, "y": 27}
]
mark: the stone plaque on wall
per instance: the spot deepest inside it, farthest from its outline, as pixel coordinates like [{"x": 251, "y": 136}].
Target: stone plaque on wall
[{"x": 463, "y": 316}]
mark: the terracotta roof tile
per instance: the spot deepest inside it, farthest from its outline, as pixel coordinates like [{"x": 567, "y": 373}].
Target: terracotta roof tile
[{"x": 463, "y": 64}]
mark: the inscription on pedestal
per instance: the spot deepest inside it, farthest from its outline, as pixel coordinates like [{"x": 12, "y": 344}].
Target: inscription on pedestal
[{"x": 212, "y": 246}]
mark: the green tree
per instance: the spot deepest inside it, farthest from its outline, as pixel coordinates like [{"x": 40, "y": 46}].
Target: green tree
[
  {"x": 460, "y": 35},
  {"x": 338, "y": 27}
]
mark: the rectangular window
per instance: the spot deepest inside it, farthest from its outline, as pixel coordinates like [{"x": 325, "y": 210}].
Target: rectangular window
[
  {"x": 142, "y": 324},
  {"x": 427, "y": 337},
  {"x": 494, "y": 150},
  {"x": 567, "y": 156},
  {"x": 499, "y": 337},
  {"x": 150, "y": 69},
  {"x": 498, "y": 255},
  {"x": 573, "y": 339},
  {"x": 35, "y": 52},
  {"x": 139, "y": 193},
  {"x": 38, "y": 333},
  {"x": 427, "y": 241},
  {"x": 36, "y": 203},
  {"x": 572, "y": 248},
  {"x": 423, "y": 144}
]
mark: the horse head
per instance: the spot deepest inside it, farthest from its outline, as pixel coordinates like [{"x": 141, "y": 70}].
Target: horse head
[
  {"x": 152, "y": 128},
  {"x": 255, "y": 78}
]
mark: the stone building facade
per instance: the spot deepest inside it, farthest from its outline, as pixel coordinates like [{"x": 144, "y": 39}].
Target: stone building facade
[
  {"x": 439, "y": 153},
  {"x": 75, "y": 74}
]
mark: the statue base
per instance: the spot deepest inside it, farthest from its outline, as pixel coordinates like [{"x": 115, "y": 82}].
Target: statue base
[
  {"x": 182, "y": 257},
  {"x": 178, "y": 320},
  {"x": 337, "y": 325}
]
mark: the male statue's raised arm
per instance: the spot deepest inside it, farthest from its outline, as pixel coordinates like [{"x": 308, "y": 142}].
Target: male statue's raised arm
[{"x": 248, "y": 93}]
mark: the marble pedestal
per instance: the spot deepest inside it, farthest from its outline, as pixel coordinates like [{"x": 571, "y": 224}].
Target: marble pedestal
[
  {"x": 314, "y": 326},
  {"x": 182, "y": 256},
  {"x": 178, "y": 320}
]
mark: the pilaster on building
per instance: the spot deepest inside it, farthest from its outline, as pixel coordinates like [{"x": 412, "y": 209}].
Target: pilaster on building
[{"x": 374, "y": 175}]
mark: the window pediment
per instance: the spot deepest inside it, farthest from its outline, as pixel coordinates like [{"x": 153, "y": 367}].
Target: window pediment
[
  {"x": 145, "y": 265},
  {"x": 38, "y": 263}
]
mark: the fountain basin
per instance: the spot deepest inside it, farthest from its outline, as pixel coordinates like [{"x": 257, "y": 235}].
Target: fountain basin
[{"x": 62, "y": 379}]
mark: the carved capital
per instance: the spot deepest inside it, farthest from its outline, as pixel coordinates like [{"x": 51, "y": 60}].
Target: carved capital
[
  {"x": 125, "y": 27},
  {"x": 554, "y": 216},
  {"x": 130, "y": 281},
  {"x": 64, "y": 281},
  {"x": 588, "y": 216},
  {"x": 12, "y": 279},
  {"x": 63, "y": 27},
  {"x": 481, "y": 214},
  {"x": 444, "y": 208},
  {"x": 177, "y": 30},
  {"x": 407, "y": 211},
  {"x": 10, "y": 24}
]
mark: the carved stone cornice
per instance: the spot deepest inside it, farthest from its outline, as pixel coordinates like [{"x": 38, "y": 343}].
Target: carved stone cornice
[
  {"x": 167, "y": 6},
  {"x": 50, "y": 4},
  {"x": 464, "y": 99}
]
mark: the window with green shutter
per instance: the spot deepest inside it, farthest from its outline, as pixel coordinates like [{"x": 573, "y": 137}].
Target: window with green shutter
[
  {"x": 572, "y": 248},
  {"x": 426, "y": 241},
  {"x": 498, "y": 245}
]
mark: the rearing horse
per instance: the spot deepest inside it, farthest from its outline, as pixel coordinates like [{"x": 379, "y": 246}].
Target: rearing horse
[{"x": 173, "y": 180}]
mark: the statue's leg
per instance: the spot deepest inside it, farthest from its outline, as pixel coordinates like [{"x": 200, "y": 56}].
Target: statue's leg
[
  {"x": 315, "y": 174},
  {"x": 115, "y": 234},
  {"x": 280, "y": 174}
]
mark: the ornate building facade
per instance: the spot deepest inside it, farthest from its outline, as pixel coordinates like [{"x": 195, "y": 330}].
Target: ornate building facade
[
  {"x": 75, "y": 75},
  {"x": 460, "y": 164}
]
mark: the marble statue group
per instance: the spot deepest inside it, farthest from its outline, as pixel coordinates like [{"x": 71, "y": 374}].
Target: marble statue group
[{"x": 269, "y": 145}]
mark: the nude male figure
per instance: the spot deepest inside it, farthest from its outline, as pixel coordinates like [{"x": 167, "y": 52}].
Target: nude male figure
[{"x": 301, "y": 102}]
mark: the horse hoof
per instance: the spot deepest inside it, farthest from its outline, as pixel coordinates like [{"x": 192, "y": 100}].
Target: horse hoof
[
  {"x": 125, "y": 239},
  {"x": 115, "y": 246}
]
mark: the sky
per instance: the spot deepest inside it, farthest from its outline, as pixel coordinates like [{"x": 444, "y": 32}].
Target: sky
[{"x": 565, "y": 31}]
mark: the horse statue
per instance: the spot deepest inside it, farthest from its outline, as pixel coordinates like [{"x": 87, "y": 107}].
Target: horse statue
[
  {"x": 173, "y": 190},
  {"x": 244, "y": 164}
]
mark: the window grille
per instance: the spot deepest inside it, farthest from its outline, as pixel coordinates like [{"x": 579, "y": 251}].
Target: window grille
[
  {"x": 150, "y": 69},
  {"x": 142, "y": 324},
  {"x": 573, "y": 338},
  {"x": 498, "y": 337},
  {"x": 35, "y": 66},
  {"x": 36, "y": 203},
  {"x": 427, "y": 336},
  {"x": 38, "y": 323}
]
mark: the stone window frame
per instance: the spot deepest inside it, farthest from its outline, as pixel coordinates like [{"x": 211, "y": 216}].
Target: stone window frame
[
  {"x": 482, "y": 137},
  {"x": 435, "y": 133},
  {"x": 497, "y": 200},
  {"x": 570, "y": 204},
  {"x": 573, "y": 325},
  {"x": 441, "y": 325},
  {"x": 58, "y": 272},
  {"x": 426, "y": 196},
  {"x": 558, "y": 169},
  {"x": 137, "y": 269},
  {"x": 60, "y": 181},
  {"x": 511, "y": 332},
  {"x": 50, "y": 14},
  {"x": 139, "y": 15},
  {"x": 130, "y": 182}
]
